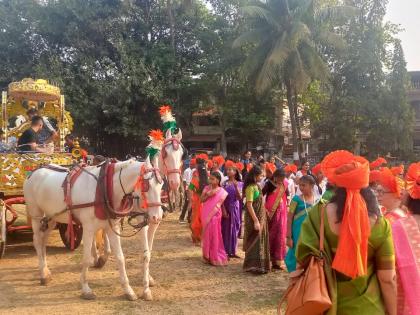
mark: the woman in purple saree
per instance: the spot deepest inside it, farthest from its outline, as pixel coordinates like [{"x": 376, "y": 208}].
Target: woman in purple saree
[
  {"x": 212, "y": 245},
  {"x": 232, "y": 207}
]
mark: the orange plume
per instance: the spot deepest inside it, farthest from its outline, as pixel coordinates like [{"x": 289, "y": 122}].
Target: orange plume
[
  {"x": 377, "y": 163},
  {"x": 413, "y": 180},
  {"x": 351, "y": 172},
  {"x": 156, "y": 135},
  {"x": 164, "y": 109}
]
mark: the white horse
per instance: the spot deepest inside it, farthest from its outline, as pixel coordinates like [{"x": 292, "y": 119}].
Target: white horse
[
  {"x": 170, "y": 163},
  {"x": 45, "y": 197}
]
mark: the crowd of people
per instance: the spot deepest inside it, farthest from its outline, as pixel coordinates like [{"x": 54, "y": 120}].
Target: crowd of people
[{"x": 372, "y": 223}]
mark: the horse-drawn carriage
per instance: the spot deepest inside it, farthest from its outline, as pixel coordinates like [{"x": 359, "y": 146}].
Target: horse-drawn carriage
[{"x": 15, "y": 167}]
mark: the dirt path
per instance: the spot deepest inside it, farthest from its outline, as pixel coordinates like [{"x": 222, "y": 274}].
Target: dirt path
[{"x": 184, "y": 284}]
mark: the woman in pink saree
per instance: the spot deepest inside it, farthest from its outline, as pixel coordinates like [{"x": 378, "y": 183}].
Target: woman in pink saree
[
  {"x": 275, "y": 191},
  {"x": 212, "y": 245},
  {"x": 405, "y": 232}
]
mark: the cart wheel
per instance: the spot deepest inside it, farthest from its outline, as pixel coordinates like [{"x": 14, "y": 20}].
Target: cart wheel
[
  {"x": 78, "y": 233},
  {"x": 3, "y": 228}
]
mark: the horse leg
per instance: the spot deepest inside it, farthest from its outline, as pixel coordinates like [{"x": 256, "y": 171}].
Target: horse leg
[
  {"x": 147, "y": 293},
  {"x": 100, "y": 249},
  {"x": 95, "y": 254},
  {"x": 51, "y": 226},
  {"x": 39, "y": 244},
  {"x": 150, "y": 237},
  {"x": 88, "y": 234},
  {"x": 115, "y": 243},
  {"x": 103, "y": 258}
]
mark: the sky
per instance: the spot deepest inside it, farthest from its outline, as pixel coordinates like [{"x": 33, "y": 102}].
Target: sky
[{"x": 407, "y": 14}]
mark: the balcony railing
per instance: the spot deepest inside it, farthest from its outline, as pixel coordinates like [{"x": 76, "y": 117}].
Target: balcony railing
[
  {"x": 415, "y": 85},
  {"x": 207, "y": 130}
]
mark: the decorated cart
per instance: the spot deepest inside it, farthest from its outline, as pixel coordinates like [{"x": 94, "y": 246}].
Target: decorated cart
[{"x": 15, "y": 167}]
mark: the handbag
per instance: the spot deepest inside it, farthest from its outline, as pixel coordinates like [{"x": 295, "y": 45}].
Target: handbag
[{"x": 307, "y": 293}]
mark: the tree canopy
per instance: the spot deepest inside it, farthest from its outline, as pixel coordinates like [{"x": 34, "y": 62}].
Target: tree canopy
[{"x": 117, "y": 61}]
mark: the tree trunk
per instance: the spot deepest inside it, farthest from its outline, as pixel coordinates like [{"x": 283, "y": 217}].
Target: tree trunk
[
  {"x": 298, "y": 125},
  {"x": 289, "y": 96},
  {"x": 171, "y": 24}
]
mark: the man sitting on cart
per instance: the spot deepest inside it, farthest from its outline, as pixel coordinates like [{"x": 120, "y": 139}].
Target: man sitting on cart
[
  {"x": 48, "y": 134},
  {"x": 29, "y": 140}
]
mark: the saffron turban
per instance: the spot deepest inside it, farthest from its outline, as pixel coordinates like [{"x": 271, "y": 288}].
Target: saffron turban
[
  {"x": 351, "y": 172},
  {"x": 377, "y": 163},
  {"x": 412, "y": 180}
]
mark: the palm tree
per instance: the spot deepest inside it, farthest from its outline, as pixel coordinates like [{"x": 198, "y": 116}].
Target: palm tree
[{"x": 287, "y": 40}]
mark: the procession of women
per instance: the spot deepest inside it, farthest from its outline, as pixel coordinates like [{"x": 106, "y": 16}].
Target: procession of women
[{"x": 369, "y": 213}]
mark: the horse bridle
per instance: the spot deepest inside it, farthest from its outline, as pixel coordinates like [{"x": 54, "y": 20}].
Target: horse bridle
[
  {"x": 176, "y": 144},
  {"x": 146, "y": 183}
]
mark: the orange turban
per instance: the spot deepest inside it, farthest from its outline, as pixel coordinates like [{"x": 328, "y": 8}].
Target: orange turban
[
  {"x": 271, "y": 167},
  {"x": 210, "y": 164},
  {"x": 388, "y": 180},
  {"x": 413, "y": 180},
  {"x": 351, "y": 172},
  {"x": 193, "y": 162},
  {"x": 292, "y": 168},
  {"x": 377, "y": 163},
  {"x": 219, "y": 160},
  {"x": 202, "y": 156},
  {"x": 397, "y": 170},
  {"x": 240, "y": 166},
  {"x": 374, "y": 176},
  {"x": 230, "y": 164},
  {"x": 316, "y": 169}
]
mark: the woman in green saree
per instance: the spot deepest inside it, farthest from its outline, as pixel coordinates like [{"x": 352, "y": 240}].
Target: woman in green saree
[
  {"x": 256, "y": 241},
  {"x": 365, "y": 283}
]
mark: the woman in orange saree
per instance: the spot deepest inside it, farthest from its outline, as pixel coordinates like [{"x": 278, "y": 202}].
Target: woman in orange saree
[{"x": 197, "y": 184}]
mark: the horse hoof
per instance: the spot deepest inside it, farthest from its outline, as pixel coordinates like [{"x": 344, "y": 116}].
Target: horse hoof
[
  {"x": 45, "y": 281},
  {"x": 147, "y": 296},
  {"x": 88, "y": 296},
  {"x": 100, "y": 263},
  {"x": 131, "y": 297},
  {"x": 152, "y": 282}
]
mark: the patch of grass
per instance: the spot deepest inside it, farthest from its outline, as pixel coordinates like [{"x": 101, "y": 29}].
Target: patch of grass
[
  {"x": 266, "y": 301},
  {"x": 77, "y": 255},
  {"x": 237, "y": 296}
]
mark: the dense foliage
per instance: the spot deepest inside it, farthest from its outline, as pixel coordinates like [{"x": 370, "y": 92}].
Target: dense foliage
[{"x": 118, "y": 60}]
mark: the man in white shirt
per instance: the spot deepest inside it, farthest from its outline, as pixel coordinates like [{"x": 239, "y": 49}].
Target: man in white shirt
[{"x": 186, "y": 178}]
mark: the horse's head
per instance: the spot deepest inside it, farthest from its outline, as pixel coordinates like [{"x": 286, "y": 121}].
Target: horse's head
[
  {"x": 150, "y": 188},
  {"x": 172, "y": 155}
]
